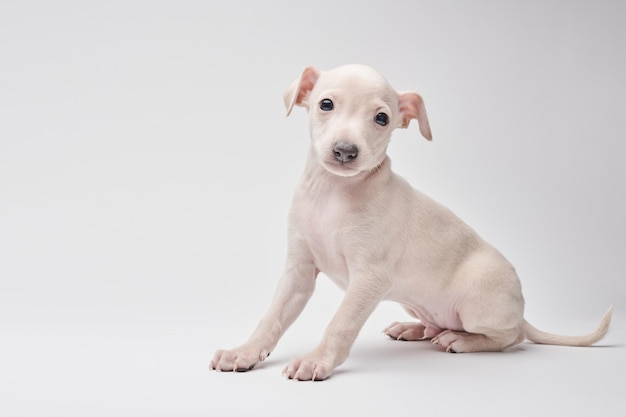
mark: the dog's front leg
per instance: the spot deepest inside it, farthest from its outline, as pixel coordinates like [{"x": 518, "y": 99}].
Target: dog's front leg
[
  {"x": 361, "y": 298},
  {"x": 294, "y": 290}
]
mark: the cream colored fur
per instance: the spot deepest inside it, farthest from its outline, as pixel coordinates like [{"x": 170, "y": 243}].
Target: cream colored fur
[{"x": 378, "y": 239}]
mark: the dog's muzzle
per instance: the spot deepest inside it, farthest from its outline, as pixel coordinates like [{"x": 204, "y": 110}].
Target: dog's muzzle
[{"x": 345, "y": 152}]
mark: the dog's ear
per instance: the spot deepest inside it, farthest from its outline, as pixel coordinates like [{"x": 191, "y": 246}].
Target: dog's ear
[
  {"x": 298, "y": 91},
  {"x": 411, "y": 106}
]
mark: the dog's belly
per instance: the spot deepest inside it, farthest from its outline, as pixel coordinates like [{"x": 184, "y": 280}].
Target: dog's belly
[
  {"x": 442, "y": 316},
  {"x": 431, "y": 301},
  {"x": 436, "y": 312}
]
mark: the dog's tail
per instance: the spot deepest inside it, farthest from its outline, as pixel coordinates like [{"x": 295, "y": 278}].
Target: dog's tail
[{"x": 537, "y": 336}]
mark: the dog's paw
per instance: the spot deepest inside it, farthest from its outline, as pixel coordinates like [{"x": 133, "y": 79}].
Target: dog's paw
[
  {"x": 459, "y": 342},
  {"x": 405, "y": 331},
  {"x": 446, "y": 340},
  {"x": 240, "y": 359},
  {"x": 410, "y": 331},
  {"x": 309, "y": 368}
]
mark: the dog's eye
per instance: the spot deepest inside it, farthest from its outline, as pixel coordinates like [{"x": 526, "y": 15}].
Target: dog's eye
[
  {"x": 382, "y": 119},
  {"x": 326, "y": 104}
]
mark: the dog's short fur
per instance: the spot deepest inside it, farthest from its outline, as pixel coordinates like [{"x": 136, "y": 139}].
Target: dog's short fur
[{"x": 356, "y": 221}]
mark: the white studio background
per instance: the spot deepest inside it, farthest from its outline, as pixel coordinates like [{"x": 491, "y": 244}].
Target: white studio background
[{"x": 146, "y": 170}]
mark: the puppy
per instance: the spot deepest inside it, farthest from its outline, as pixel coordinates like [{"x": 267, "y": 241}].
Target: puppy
[{"x": 378, "y": 239}]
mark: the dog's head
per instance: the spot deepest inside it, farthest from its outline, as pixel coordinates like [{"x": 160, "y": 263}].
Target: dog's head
[{"x": 352, "y": 112}]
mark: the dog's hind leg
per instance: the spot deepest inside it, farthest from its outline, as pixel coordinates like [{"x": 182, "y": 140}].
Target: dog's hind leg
[
  {"x": 490, "y": 341},
  {"x": 490, "y": 323}
]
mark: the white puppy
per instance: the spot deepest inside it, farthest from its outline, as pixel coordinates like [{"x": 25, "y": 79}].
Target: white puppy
[{"x": 363, "y": 226}]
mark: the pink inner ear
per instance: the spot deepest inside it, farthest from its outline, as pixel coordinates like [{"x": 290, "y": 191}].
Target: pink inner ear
[
  {"x": 307, "y": 82},
  {"x": 411, "y": 106},
  {"x": 297, "y": 94}
]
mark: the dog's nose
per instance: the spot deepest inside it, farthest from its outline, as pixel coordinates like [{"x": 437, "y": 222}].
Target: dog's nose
[{"x": 345, "y": 152}]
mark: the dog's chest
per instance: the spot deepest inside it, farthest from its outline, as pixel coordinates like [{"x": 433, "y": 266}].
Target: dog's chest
[{"x": 323, "y": 222}]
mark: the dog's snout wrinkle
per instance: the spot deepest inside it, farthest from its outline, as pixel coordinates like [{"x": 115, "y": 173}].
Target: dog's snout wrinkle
[{"x": 345, "y": 152}]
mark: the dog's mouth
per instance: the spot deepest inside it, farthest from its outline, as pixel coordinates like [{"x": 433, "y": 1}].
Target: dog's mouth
[
  {"x": 345, "y": 159},
  {"x": 342, "y": 169}
]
